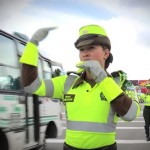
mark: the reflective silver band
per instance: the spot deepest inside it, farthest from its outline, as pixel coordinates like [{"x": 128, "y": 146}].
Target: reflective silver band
[
  {"x": 91, "y": 126},
  {"x": 34, "y": 86},
  {"x": 49, "y": 88},
  {"x": 68, "y": 83},
  {"x": 131, "y": 114}
]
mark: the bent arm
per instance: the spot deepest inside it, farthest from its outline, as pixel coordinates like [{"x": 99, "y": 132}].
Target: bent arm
[
  {"x": 124, "y": 106},
  {"x": 31, "y": 82}
]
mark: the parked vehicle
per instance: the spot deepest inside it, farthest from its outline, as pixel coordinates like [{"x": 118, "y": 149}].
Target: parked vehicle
[{"x": 25, "y": 120}]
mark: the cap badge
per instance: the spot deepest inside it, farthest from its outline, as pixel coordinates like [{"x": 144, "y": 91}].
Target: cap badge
[{"x": 85, "y": 32}]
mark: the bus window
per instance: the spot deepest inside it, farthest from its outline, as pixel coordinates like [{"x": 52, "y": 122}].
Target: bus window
[
  {"x": 40, "y": 70},
  {"x": 9, "y": 71},
  {"x": 7, "y": 51},
  {"x": 20, "y": 48},
  {"x": 47, "y": 70},
  {"x": 23, "y": 116},
  {"x": 57, "y": 71}
]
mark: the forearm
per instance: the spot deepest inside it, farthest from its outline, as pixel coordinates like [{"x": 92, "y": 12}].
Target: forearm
[
  {"x": 121, "y": 104},
  {"x": 125, "y": 107},
  {"x": 29, "y": 74}
]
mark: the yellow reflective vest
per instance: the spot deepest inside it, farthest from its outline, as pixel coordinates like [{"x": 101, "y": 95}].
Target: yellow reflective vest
[{"x": 147, "y": 100}]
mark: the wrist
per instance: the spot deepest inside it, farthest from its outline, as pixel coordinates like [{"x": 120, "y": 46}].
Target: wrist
[
  {"x": 30, "y": 55},
  {"x": 34, "y": 42}
]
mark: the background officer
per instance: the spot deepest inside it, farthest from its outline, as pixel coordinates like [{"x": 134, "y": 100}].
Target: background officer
[{"x": 146, "y": 112}]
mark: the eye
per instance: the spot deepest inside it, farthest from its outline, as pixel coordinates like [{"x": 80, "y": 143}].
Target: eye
[
  {"x": 91, "y": 47},
  {"x": 81, "y": 49}
]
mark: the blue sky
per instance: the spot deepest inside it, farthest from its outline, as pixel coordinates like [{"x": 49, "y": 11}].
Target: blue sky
[{"x": 126, "y": 22}]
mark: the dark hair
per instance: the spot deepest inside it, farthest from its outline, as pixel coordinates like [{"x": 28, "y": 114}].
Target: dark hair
[{"x": 110, "y": 57}]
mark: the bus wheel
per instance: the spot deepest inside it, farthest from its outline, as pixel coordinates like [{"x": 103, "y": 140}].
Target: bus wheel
[
  {"x": 3, "y": 141},
  {"x": 51, "y": 131}
]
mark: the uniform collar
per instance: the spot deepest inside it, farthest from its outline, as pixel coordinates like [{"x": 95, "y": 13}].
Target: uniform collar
[
  {"x": 82, "y": 77},
  {"x": 80, "y": 80}
]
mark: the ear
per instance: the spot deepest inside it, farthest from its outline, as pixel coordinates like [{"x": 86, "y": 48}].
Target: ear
[{"x": 106, "y": 53}]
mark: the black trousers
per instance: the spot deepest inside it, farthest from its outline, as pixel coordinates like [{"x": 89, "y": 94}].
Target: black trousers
[
  {"x": 109, "y": 147},
  {"x": 146, "y": 115}
]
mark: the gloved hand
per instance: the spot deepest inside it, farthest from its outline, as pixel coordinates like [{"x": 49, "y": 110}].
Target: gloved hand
[
  {"x": 40, "y": 34},
  {"x": 97, "y": 72}
]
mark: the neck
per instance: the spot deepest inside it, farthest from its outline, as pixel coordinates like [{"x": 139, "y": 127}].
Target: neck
[{"x": 88, "y": 75}]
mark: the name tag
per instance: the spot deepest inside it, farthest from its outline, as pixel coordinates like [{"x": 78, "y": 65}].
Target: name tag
[{"x": 69, "y": 98}]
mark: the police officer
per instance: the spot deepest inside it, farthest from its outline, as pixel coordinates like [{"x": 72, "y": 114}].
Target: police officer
[
  {"x": 93, "y": 100},
  {"x": 146, "y": 112}
]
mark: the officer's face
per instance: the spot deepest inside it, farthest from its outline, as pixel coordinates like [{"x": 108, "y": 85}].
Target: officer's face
[{"x": 93, "y": 52}]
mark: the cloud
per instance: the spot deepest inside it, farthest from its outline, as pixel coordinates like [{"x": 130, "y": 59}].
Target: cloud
[
  {"x": 11, "y": 11},
  {"x": 135, "y": 9},
  {"x": 129, "y": 35}
]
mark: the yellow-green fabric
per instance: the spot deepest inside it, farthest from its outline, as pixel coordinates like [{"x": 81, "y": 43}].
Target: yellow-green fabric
[
  {"x": 92, "y": 29},
  {"x": 132, "y": 94},
  {"x": 107, "y": 85},
  {"x": 147, "y": 100},
  {"x": 139, "y": 109},
  {"x": 58, "y": 83},
  {"x": 95, "y": 140},
  {"x": 142, "y": 96},
  {"x": 88, "y": 106},
  {"x": 41, "y": 90},
  {"x": 148, "y": 85},
  {"x": 30, "y": 55}
]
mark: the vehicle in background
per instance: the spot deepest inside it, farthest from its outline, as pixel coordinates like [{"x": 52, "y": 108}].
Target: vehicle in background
[{"x": 26, "y": 120}]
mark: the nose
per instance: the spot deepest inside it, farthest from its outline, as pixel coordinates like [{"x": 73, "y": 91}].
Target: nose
[{"x": 86, "y": 54}]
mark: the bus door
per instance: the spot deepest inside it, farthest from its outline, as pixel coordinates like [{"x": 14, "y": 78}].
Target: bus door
[
  {"x": 32, "y": 111},
  {"x": 12, "y": 112}
]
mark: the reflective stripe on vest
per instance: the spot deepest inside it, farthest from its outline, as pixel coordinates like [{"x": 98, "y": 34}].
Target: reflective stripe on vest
[
  {"x": 68, "y": 83},
  {"x": 41, "y": 88},
  {"x": 49, "y": 87},
  {"x": 34, "y": 86},
  {"x": 90, "y": 126}
]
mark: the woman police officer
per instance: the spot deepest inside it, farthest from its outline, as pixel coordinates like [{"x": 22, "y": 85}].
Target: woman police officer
[{"x": 93, "y": 100}]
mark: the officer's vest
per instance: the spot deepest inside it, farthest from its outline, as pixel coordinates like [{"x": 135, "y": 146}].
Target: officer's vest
[
  {"x": 102, "y": 127},
  {"x": 147, "y": 100}
]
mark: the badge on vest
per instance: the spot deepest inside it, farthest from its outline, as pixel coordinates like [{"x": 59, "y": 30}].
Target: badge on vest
[
  {"x": 69, "y": 97},
  {"x": 103, "y": 98}
]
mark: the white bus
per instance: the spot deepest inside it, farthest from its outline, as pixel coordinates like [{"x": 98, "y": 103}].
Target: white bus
[{"x": 25, "y": 120}]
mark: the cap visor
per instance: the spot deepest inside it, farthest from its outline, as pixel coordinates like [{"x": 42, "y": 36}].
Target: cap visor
[{"x": 86, "y": 42}]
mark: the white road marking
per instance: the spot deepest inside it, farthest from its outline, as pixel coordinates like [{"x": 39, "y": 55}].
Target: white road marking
[
  {"x": 131, "y": 141},
  {"x": 118, "y": 141},
  {"x": 133, "y": 121},
  {"x": 64, "y": 128},
  {"x": 130, "y": 128},
  {"x": 118, "y": 121}
]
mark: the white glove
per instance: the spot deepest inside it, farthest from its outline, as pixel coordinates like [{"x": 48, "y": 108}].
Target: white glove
[
  {"x": 40, "y": 34},
  {"x": 97, "y": 72}
]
